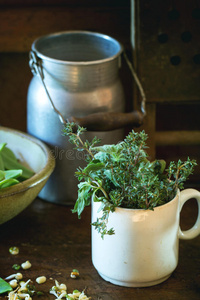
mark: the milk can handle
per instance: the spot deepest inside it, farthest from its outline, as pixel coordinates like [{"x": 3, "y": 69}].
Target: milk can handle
[
  {"x": 36, "y": 68},
  {"x": 96, "y": 121},
  {"x": 139, "y": 85}
]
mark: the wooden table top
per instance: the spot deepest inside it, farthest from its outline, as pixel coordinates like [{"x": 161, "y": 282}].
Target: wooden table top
[{"x": 55, "y": 241}]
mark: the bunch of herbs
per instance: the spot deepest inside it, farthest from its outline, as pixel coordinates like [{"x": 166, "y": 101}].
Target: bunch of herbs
[{"x": 120, "y": 175}]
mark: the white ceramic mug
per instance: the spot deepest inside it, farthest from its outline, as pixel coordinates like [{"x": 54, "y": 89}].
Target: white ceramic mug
[{"x": 144, "y": 249}]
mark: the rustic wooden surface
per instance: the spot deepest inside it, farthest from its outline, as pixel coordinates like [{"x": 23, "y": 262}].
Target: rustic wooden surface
[{"x": 55, "y": 242}]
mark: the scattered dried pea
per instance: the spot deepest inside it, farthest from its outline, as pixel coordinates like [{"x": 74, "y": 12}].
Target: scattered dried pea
[
  {"x": 26, "y": 265},
  {"x": 16, "y": 267},
  {"x": 74, "y": 273},
  {"x": 41, "y": 279},
  {"x": 14, "y": 250},
  {"x": 13, "y": 283}
]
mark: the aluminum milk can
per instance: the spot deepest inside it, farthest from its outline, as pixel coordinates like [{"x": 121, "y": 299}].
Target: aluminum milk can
[{"x": 75, "y": 74}]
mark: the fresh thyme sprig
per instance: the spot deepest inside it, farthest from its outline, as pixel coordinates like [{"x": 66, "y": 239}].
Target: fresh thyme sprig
[
  {"x": 73, "y": 131},
  {"x": 122, "y": 176}
]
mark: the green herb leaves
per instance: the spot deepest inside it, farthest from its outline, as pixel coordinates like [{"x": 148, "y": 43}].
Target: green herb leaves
[
  {"x": 7, "y": 178},
  {"x": 94, "y": 166},
  {"x": 122, "y": 176},
  {"x": 4, "y": 286},
  {"x": 11, "y": 171}
]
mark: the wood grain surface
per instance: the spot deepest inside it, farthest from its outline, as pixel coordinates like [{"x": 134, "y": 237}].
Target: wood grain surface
[{"x": 55, "y": 242}]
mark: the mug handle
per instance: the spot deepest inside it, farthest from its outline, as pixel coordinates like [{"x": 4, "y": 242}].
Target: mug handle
[{"x": 193, "y": 232}]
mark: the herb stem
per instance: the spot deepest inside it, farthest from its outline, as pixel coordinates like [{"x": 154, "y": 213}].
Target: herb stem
[
  {"x": 100, "y": 187},
  {"x": 83, "y": 146}
]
